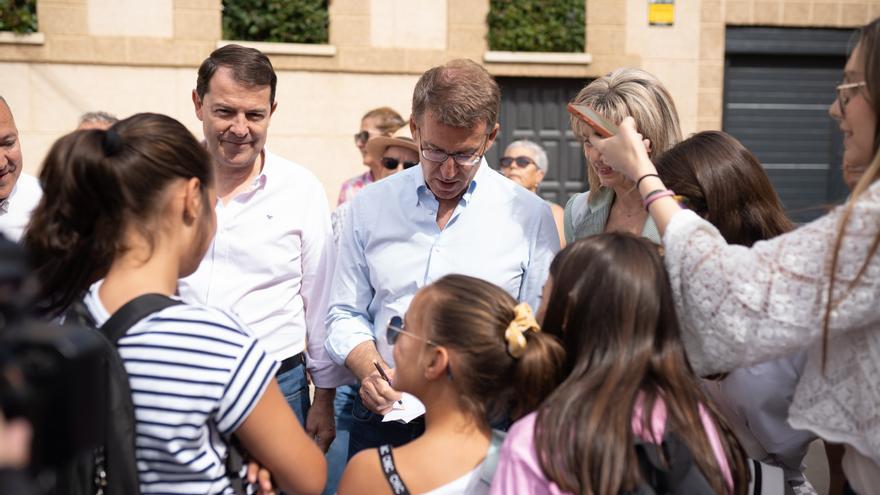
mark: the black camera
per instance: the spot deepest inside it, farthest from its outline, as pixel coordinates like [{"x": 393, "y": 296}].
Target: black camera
[{"x": 50, "y": 374}]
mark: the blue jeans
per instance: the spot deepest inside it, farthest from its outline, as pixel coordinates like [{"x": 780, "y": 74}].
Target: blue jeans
[
  {"x": 337, "y": 456},
  {"x": 369, "y": 432},
  {"x": 295, "y": 388}
]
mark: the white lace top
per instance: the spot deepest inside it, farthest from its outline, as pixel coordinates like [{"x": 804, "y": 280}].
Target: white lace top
[{"x": 741, "y": 306}]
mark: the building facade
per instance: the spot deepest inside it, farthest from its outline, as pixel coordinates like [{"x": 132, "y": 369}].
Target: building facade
[{"x": 128, "y": 56}]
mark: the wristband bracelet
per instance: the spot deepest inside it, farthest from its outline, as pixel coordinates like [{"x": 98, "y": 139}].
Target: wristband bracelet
[
  {"x": 662, "y": 194},
  {"x": 638, "y": 182},
  {"x": 648, "y": 196}
]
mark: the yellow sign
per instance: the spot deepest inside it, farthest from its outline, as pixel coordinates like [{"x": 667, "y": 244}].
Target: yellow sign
[{"x": 661, "y": 14}]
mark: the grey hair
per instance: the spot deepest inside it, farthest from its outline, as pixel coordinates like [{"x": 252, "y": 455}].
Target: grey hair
[
  {"x": 98, "y": 117},
  {"x": 536, "y": 149}
]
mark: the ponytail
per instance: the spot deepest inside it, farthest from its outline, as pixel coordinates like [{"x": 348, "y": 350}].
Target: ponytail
[
  {"x": 537, "y": 373},
  {"x": 97, "y": 185},
  {"x": 505, "y": 366},
  {"x": 75, "y": 230}
]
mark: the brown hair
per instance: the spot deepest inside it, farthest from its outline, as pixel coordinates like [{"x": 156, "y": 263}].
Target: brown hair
[
  {"x": 469, "y": 316},
  {"x": 718, "y": 176},
  {"x": 387, "y": 120},
  {"x": 636, "y": 93},
  {"x": 95, "y": 184},
  {"x": 869, "y": 42},
  {"x": 612, "y": 305},
  {"x": 249, "y": 66},
  {"x": 460, "y": 93}
]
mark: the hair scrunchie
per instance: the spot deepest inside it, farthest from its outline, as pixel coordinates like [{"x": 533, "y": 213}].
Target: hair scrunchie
[
  {"x": 112, "y": 143},
  {"x": 522, "y": 322}
]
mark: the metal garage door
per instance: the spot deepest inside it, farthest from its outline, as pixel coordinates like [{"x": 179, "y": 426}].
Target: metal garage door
[
  {"x": 534, "y": 108},
  {"x": 778, "y": 84}
]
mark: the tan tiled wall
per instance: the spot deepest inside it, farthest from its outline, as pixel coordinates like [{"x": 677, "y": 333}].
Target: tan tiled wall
[{"x": 323, "y": 96}]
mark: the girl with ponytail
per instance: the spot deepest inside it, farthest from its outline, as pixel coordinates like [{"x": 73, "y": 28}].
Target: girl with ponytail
[
  {"x": 126, "y": 212},
  {"x": 628, "y": 381},
  {"x": 472, "y": 355}
]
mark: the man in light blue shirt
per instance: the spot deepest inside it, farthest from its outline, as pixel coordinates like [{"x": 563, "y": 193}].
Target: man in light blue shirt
[{"x": 452, "y": 214}]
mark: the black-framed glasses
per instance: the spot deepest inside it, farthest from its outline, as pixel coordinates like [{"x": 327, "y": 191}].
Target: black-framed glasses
[
  {"x": 361, "y": 137},
  {"x": 520, "y": 161},
  {"x": 393, "y": 163},
  {"x": 463, "y": 159},
  {"x": 395, "y": 329},
  {"x": 845, "y": 92}
]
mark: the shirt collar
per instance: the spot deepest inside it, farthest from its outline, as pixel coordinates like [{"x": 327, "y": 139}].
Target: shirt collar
[
  {"x": 4, "y": 204},
  {"x": 479, "y": 177}
]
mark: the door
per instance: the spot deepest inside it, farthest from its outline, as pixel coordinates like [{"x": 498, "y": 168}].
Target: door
[
  {"x": 534, "y": 109},
  {"x": 778, "y": 84}
]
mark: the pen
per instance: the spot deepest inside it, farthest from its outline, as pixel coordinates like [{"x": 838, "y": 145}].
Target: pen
[{"x": 385, "y": 377}]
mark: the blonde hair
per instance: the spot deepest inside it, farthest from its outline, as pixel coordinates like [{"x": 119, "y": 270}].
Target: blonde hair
[{"x": 636, "y": 93}]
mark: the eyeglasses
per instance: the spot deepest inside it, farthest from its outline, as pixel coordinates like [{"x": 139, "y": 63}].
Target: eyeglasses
[
  {"x": 395, "y": 328},
  {"x": 392, "y": 163},
  {"x": 520, "y": 161},
  {"x": 845, "y": 92},
  {"x": 362, "y": 137},
  {"x": 464, "y": 159}
]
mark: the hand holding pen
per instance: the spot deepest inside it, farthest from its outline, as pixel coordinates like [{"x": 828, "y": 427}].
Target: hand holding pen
[{"x": 385, "y": 377}]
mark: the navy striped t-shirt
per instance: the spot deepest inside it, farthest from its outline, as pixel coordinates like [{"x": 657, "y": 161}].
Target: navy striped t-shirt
[{"x": 196, "y": 373}]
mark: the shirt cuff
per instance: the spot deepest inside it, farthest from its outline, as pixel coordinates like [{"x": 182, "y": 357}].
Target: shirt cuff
[{"x": 342, "y": 340}]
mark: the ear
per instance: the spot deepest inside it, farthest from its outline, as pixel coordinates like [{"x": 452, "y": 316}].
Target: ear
[
  {"x": 492, "y": 136},
  {"x": 413, "y": 129},
  {"x": 197, "y": 103},
  {"x": 192, "y": 201},
  {"x": 540, "y": 175},
  {"x": 438, "y": 364},
  {"x": 274, "y": 107}
]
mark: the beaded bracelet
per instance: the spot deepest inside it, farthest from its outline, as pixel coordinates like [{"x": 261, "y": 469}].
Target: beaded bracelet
[{"x": 662, "y": 194}]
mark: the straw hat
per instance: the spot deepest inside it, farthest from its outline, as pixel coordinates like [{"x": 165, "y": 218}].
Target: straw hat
[{"x": 376, "y": 146}]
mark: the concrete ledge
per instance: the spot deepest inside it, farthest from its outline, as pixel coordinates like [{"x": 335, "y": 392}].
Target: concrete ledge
[
  {"x": 556, "y": 58},
  {"x": 270, "y": 48},
  {"x": 8, "y": 37}
]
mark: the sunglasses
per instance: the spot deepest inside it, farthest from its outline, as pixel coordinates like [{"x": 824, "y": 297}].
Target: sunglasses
[
  {"x": 362, "y": 137},
  {"x": 393, "y": 163},
  {"x": 521, "y": 161},
  {"x": 395, "y": 329}
]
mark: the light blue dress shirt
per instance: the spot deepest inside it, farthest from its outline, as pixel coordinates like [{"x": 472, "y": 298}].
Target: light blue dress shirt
[{"x": 391, "y": 246}]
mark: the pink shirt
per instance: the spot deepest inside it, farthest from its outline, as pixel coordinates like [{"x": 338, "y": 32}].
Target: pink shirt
[
  {"x": 352, "y": 186},
  {"x": 520, "y": 472}
]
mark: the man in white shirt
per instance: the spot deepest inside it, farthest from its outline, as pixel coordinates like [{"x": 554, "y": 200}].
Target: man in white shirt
[
  {"x": 273, "y": 255},
  {"x": 19, "y": 193}
]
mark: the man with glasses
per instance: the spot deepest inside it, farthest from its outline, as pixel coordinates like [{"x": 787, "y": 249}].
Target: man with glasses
[{"x": 451, "y": 214}]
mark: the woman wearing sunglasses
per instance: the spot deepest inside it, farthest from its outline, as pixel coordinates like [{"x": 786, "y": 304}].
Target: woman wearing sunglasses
[
  {"x": 382, "y": 121},
  {"x": 813, "y": 288},
  {"x": 525, "y": 162},
  {"x": 471, "y": 354}
]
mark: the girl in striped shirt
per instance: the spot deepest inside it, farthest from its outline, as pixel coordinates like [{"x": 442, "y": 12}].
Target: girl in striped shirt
[{"x": 127, "y": 212}]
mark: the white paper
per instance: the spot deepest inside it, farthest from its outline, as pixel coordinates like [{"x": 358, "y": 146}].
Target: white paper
[{"x": 411, "y": 409}]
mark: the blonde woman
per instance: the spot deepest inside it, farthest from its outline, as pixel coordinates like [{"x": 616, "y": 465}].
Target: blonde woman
[{"x": 612, "y": 203}]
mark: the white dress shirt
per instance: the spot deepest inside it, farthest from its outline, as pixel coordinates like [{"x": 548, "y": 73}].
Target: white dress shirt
[
  {"x": 15, "y": 211},
  {"x": 271, "y": 262},
  {"x": 391, "y": 246}
]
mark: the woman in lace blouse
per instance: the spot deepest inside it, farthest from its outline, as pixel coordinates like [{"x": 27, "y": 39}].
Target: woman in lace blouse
[{"x": 814, "y": 288}]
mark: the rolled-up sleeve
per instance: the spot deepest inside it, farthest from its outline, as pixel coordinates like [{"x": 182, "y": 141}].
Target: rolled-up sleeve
[{"x": 349, "y": 322}]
